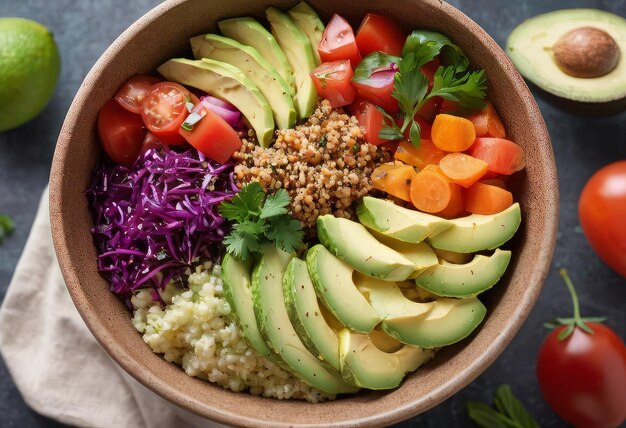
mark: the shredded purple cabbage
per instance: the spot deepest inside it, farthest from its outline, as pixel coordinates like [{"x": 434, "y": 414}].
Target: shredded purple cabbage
[{"x": 154, "y": 220}]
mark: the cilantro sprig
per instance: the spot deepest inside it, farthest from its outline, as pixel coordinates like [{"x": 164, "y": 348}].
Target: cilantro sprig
[
  {"x": 451, "y": 81},
  {"x": 6, "y": 226},
  {"x": 508, "y": 413},
  {"x": 259, "y": 218}
]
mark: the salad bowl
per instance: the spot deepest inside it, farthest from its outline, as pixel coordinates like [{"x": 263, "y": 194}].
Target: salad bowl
[{"x": 164, "y": 33}]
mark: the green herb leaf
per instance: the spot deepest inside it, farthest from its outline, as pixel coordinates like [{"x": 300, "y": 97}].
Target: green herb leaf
[
  {"x": 286, "y": 233},
  {"x": 468, "y": 90},
  {"x": 508, "y": 404},
  {"x": 410, "y": 84},
  {"x": 323, "y": 141},
  {"x": 7, "y": 227},
  {"x": 244, "y": 204},
  {"x": 389, "y": 133},
  {"x": 414, "y": 134},
  {"x": 275, "y": 204},
  {"x": 451, "y": 54}
]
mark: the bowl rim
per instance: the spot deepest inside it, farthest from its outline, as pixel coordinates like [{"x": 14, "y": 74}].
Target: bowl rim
[{"x": 160, "y": 386}]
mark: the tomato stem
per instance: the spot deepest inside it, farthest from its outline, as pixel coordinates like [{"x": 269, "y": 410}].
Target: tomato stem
[{"x": 572, "y": 291}]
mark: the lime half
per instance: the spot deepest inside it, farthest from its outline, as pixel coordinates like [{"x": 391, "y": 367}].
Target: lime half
[{"x": 29, "y": 69}]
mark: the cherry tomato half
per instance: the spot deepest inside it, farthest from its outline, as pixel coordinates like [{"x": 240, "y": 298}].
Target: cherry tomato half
[
  {"x": 379, "y": 33},
  {"x": 121, "y": 133},
  {"x": 583, "y": 377},
  {"x": 164, "y": 110},
  {"x": 332, "y": 80},
  {"x": 602, "y": 213},
  {"x": 131, "y": 94},
  {"x": 338, "y": 42}
]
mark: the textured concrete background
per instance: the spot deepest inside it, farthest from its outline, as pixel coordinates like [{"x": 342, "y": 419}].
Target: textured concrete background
[{"x": 83, "y": 29}]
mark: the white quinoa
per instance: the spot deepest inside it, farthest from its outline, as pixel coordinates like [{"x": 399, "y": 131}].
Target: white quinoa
[{"x": 195, "y": 331}]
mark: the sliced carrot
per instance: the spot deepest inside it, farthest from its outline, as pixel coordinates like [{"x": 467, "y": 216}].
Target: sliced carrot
[
  {"x": 456, "y": 207},
  {"x": 484, "y": 198},
  {"x": 487, "y": 123},
  {"x": 431, "y": 191},
  {"x": 394, "y": 179},
  {"x": 453, "y": 133},
  {"x": 463, "y": 169},
  {"x": 426, "y": 154}
]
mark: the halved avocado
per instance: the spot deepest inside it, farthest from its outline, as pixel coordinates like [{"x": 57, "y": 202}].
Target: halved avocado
[
  {"x": 306, "y": 315},
  {"x": 273, "y": 320},
  {"x": 544, "y": 56},
  {"x": 478, "y": 232},
  {"x": 238, "y": 293},
  {"x": 464, "y": 280},
  {"x": 254, "y": 66},
  {"x": 248, "y": 31},
  {"x": 227, "y": 82},
  {"x": 335, "y": 287},
  {"x": 367, "y": 366}
]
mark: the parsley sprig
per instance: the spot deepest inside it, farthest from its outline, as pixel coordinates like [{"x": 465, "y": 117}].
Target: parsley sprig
[
  {"x": 508, "y": 413},
  {"x": 452, "y": 82},
  {"x": 6, "y": 226},
  {"x": 259, "y": 218}
]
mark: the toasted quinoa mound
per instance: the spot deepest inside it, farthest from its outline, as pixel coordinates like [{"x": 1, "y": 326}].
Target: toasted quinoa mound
[
  {"x": 194, "y": 330},
  {"x": 324, "y": 164}
]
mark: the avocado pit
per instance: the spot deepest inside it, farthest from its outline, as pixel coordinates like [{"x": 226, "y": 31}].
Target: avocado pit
[{"x": 586, "y": 52}]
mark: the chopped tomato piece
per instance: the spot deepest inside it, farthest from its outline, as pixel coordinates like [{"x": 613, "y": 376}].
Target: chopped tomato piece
[
  {"x": 370, "y": 120},
  {"x": 338, "y": 42},
  {"x": 449, "y": 107},
  {"x": 487, "y": 123},
  {"x": 429, "y": 69},
  {"x": 394, "y": 179},
  {"x": 486, "y": 199},
  {"x": 121, "y": 133},
  {"x": 131, "y": 94},
  {"x": 212, "y": 135},
  {"x": 426, "y": 154},
  {"x": 502, "y": 156},
  {"x": 332, "y": 80},
  {"x": 164, "y": 109},
  {"x": 430, "y": 109},
  {"x": 377, "y": 90},
  {"x": 380, "y": 33}
]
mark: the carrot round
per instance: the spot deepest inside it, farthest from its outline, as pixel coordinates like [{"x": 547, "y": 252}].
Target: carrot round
[
  {"x": 426, "y": 154},
  {"x": 455, "y": 207},
  {"x": 394, "y": 179},
  {"x": 453, "y": 133},
  {"x": 484, "y": 198},
  {"x": 431, "y": 191},
  {"x": 463, "y": 169}
]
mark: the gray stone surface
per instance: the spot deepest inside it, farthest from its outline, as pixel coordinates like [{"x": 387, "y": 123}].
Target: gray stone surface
[{"x": 83, "y": 30}]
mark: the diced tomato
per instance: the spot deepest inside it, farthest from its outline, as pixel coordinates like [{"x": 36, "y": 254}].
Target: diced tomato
[
  {"x": 380, "y": 33},
  {"x": 487, "y": 199},
  {"x": 338, "y": 42},
  {"x": 377, "y": 90},
  {"x": 449, "y": 107},
  {"x": 370, "y": 120},
  {"x": 394, "y": 179},
  {"x": 121, "y": 133},
  {"x": 212, "y": 135},
  {"x": 502, "y": 156},
  {"x": 164, "y": 109},
  {"x": 333, "y": 82},
  {"x": 429, "y": 69},
  {"x": 487, "y": 123},
  {"x": 150, "y": 142},
  {"x": 430, "y": 109},
  {"x": 131, "y": 94}
]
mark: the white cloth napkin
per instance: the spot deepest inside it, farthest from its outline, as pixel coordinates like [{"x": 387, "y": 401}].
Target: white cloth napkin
[{"x": 60, "y": 369}]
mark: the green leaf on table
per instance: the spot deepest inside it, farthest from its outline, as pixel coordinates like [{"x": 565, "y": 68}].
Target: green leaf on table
[
  {"x": 508, "y": 413},
  {"x": 7, "y": 226}
]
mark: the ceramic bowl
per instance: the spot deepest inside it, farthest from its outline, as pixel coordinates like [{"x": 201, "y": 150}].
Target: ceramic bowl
[{"x": 164, "y": 33}]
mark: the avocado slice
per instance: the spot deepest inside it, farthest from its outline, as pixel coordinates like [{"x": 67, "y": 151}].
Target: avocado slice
[
  {"x": 464, "y": 280},
  {"x": 275, "y": 326},
  {"x": 306, "y": 315},
  {"x": 427, "y": 325},
  {"x": 531, "y": 48},
  {"x": 248, "y": 31},
  {"x": 255, "y": 67},
  {"x": 421, "y": 254},
  {"x": 452, "y": 257},
  {"x": 310, "y": 23},
  {"x": 478, "y": 232},
  {"x": 352, "y": 243},
  {"x": 398, "y": 222},
  {"x": 363, "y": 364},
  {"x": 333, "y": 284},
  {"x": 297, "y": 49},
  {"x": 237, "y": 291},
  {"x": 227, "y": 82}
]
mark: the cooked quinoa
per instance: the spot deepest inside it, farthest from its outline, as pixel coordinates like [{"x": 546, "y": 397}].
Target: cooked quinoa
[
  {"x": 195, "y": 331},
  {"x": 324, "y": 164}
]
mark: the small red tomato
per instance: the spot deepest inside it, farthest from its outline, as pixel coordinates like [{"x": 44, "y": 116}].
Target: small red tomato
[
  {"x": 370, "y": 120},
  {"x": 164, "y": 109},
  {"x": 131, "y": 94},
  {"x": 121, "y": 133},
  {"x": 582, "y": 371},
  {"x": 380, "y": 33},
  {"x": 602, "y": 213},
  {"x": 338, "y": 42},
  {"x": 332, "y": 80}
]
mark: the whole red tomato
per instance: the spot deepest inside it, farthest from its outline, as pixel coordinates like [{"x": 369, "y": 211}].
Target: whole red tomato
[
  {"x": 581, "y": 370},
  {"x": 602, "y": 213}
]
